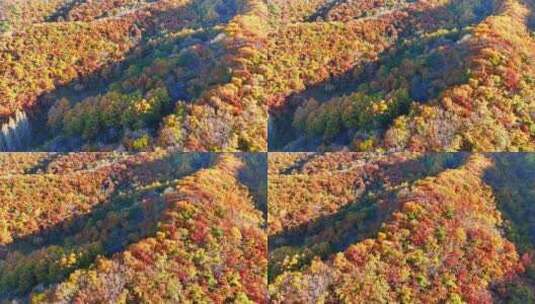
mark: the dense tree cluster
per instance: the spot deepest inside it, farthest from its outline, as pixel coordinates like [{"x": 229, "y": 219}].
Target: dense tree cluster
[
  {"x": 154, "y": 227},
  {"x": 490, "y": 111},
  {"x": 440, "y": 76},
  {"x": 421, "y": 228},
  {"x": 392, "y": 84},
  {"x": 15, "y": 14},
  {"x": 205, "y": 75},
  {"x": 138, "y": 74},
  {"x": 38, "y": 58},
  {"x": 319, "y": 187}
]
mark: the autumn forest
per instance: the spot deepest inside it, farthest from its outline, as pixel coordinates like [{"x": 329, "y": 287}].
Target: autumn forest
[
  {"x": 401, "y": 228},
  {"x": 267, "y": 151}
]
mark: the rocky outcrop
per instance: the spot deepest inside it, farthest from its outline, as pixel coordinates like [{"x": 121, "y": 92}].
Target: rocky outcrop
[{"x": 15, "y": 134}]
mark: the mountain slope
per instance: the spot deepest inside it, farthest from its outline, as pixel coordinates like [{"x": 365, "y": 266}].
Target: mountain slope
[
  {"x": 442, "y": 76},
  {"x": 156, "y": 227},
  {"x": 101, "y": 75},
  {"x": 419, "y": 229}
]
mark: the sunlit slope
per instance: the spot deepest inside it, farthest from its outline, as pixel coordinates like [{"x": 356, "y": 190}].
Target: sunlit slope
[
  {"x": 439, "y": 76},
  {"x": 134, "y": 75},
  {"x": 412, "y": 228},
  {"x": 209, "y": 247},
  {"x": 113, "y": 227},
  {"x": 320, "y": 185}
]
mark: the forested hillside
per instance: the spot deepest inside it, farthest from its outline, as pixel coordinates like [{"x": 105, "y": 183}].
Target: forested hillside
[
  {"x": 219, "y": 75},
  {"x": 267, "y": 151},
  {"x": 401, "y": 228},
  {"x": 131, "y": 74},
  {"x": 161, "y": 227},
  {"x": 429, "y": 75}
]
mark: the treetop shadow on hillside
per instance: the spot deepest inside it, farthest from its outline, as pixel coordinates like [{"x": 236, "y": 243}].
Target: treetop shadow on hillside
[
  {"x": 531, "y": 17},
  {"x": 362, "y": 218},
  {"x": 43, "y": 164},
  {"x": 512, "y": 180},
  {"x": 299, "y": 164},
  {"x": 95, "y": 84},
  {"x": 284, "y": 137},
  {"x": 122, "y": 219},
  {"x": 254, "y": 175},
  {"x": 63, "y": 10}
]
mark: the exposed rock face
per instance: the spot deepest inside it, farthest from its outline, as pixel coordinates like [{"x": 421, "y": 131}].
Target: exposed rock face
[{"x": 15, "y": 134}]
